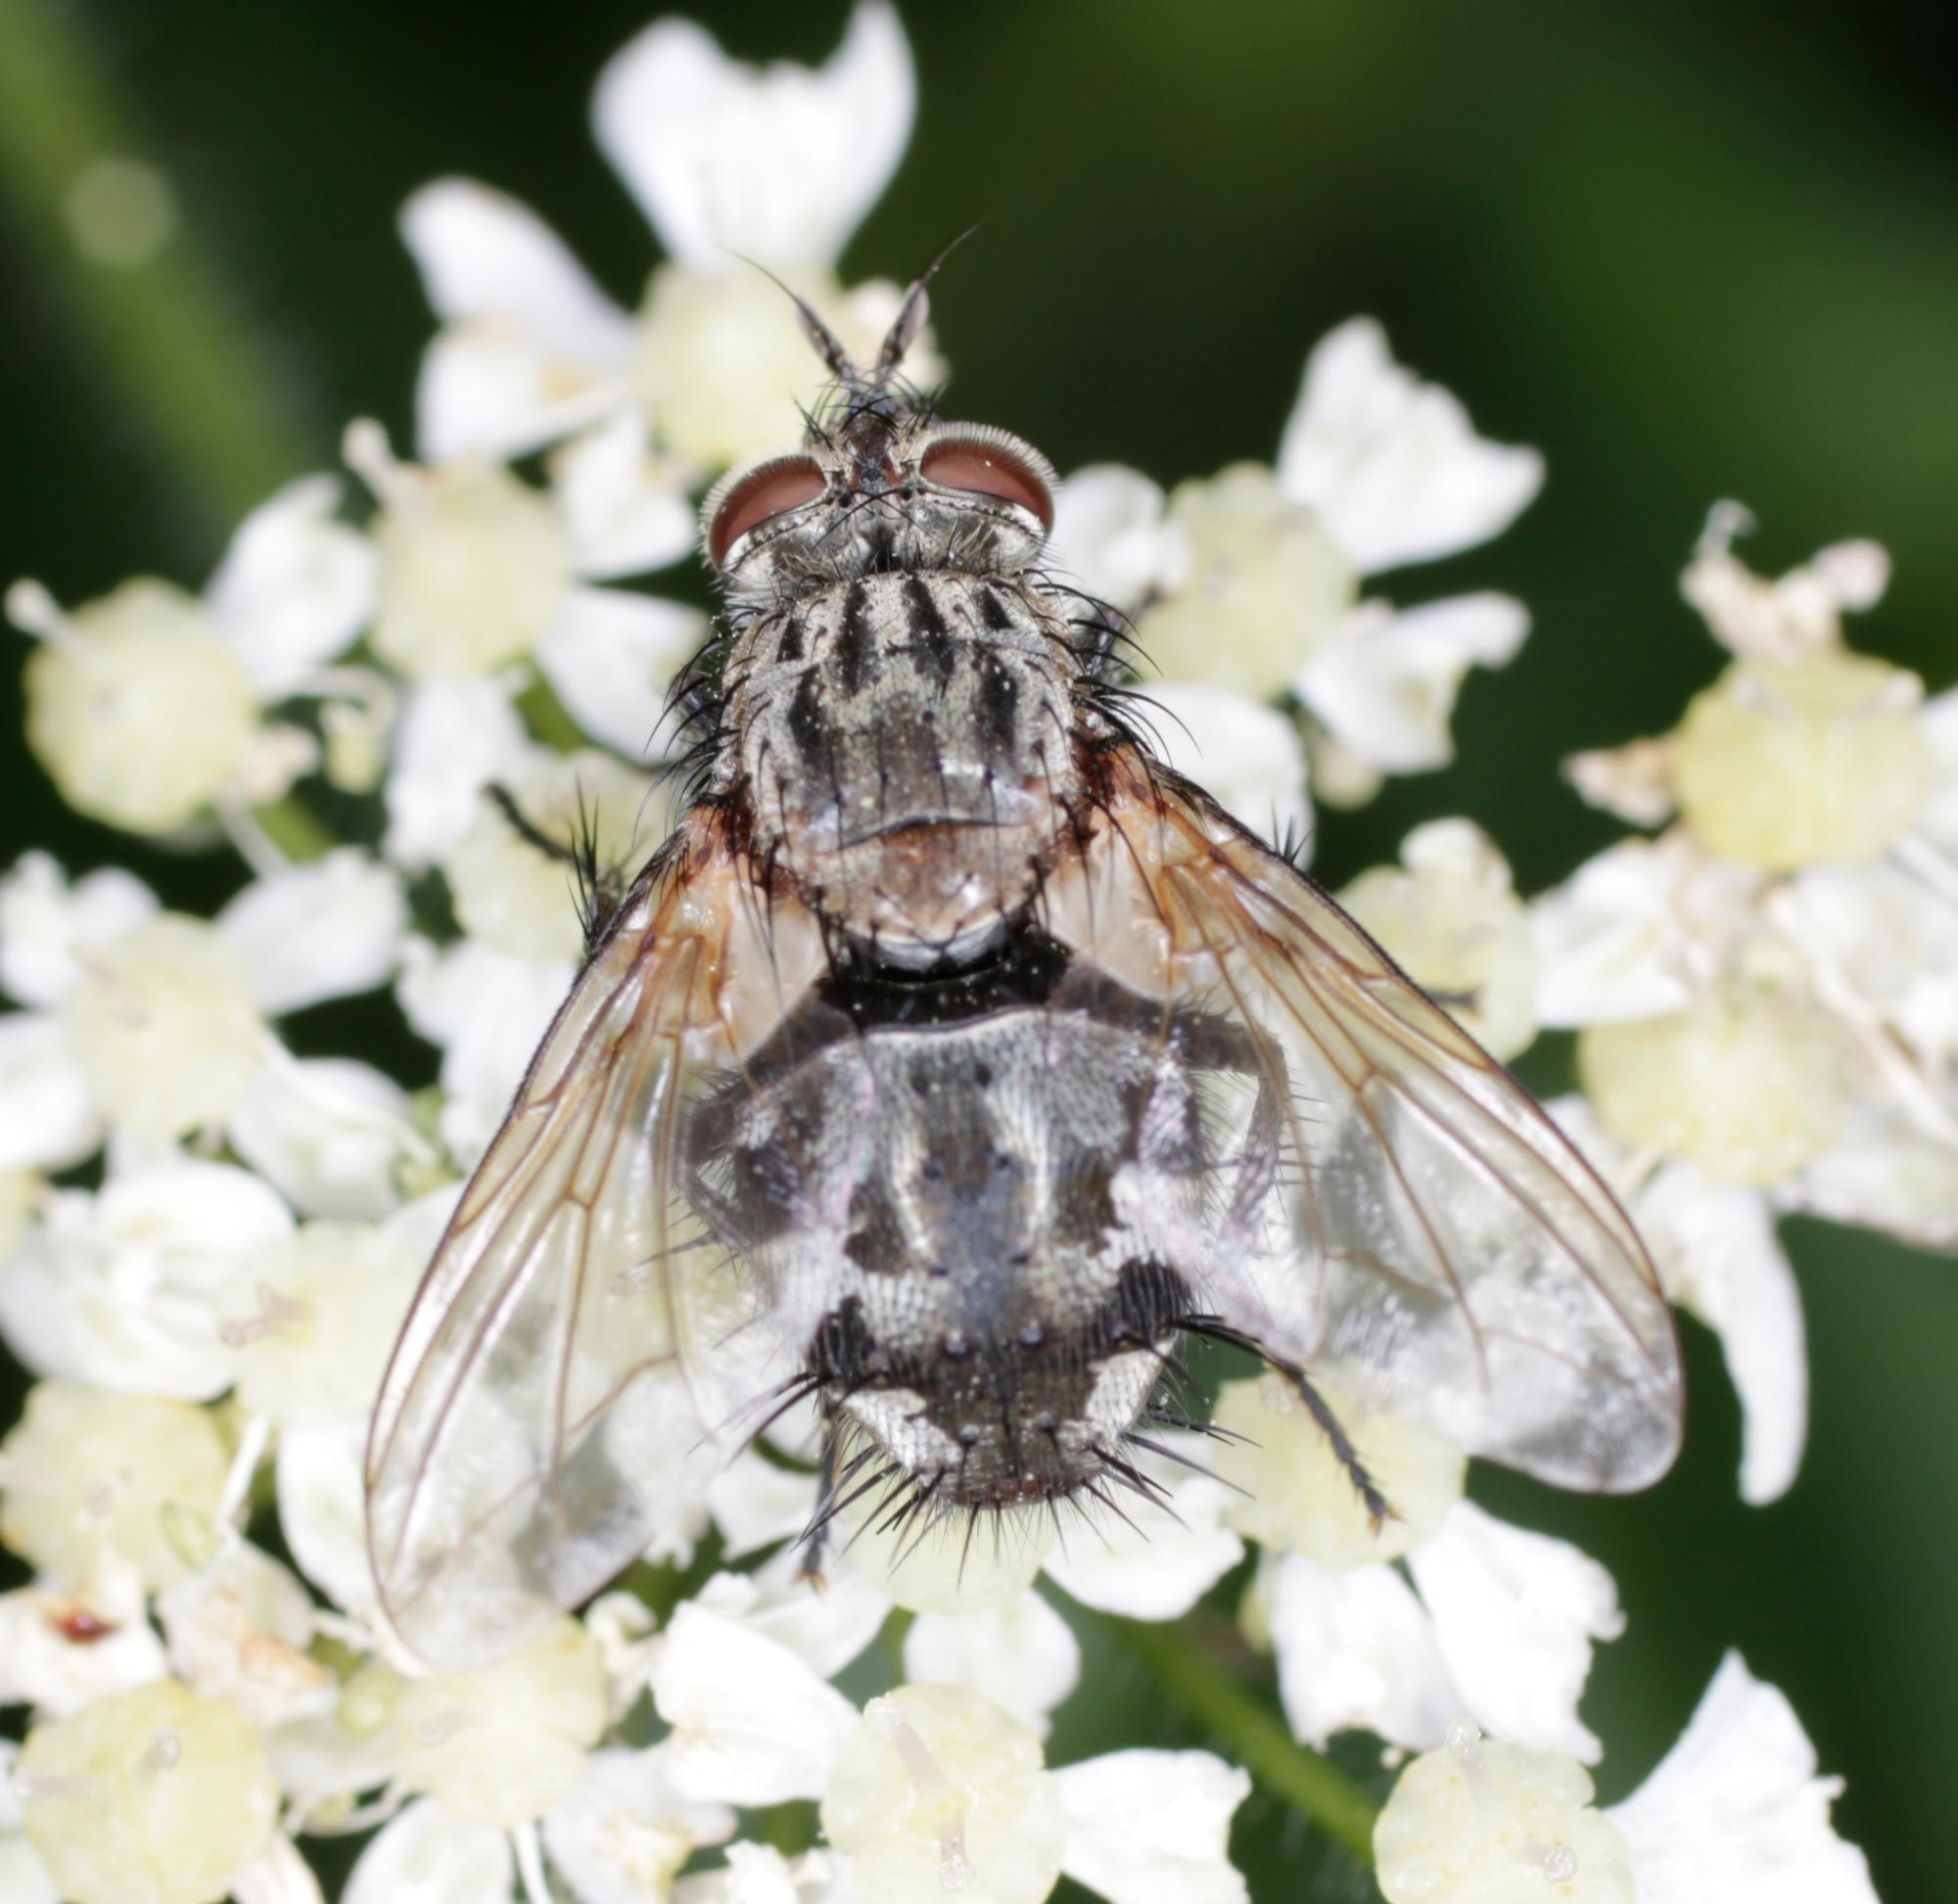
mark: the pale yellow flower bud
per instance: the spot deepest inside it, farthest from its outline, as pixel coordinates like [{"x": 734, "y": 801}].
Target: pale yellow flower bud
[
  {"x": 1483, "y": 1823},
  {"x": 504, "y": 1744},
  {"x": 516, "y": 897},
  {"x": 961, "y": 1566},
  {"x": 1298, "y": 1497},
  {"x": 722, "y": 362},
  {"x": 164, "y": 1027},
  {"x": 137, "y": 709},
  {"x": 154, "y": 1796},
  {"x": 1749, "y": 1086},
  {"x": 1256, "y": 586},
  {"x": 939, "y": 1793},
  {"x": 1820, "y": 758},
  {"x": 311, "y": 1321},
  {"x": 472, "y": 566},
  {"x": 1454, "y": 923},
  {"x": 90, "y": 1471}
]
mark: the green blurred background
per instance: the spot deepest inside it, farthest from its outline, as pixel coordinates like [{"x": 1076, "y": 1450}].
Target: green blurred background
[{"x": 1691, "y": 250}]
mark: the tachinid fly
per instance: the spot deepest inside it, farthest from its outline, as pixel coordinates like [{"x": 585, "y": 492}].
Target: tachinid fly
[{"x": 950, "y": 1063}]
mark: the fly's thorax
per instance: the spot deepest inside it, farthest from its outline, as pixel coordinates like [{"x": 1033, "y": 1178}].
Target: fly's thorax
[{"x": 905, "y": 746}]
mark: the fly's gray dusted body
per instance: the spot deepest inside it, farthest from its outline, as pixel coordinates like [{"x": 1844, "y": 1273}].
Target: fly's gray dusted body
[{"x": 951, "y": 1066}]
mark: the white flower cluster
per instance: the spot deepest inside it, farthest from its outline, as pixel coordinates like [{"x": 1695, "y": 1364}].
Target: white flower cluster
[{"x": 206, "y": 1241}]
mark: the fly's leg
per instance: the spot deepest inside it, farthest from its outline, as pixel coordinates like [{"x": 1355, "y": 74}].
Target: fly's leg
[
  {"x": 815, "y": 1541},
  {"x": 1379, "y": 1510}
]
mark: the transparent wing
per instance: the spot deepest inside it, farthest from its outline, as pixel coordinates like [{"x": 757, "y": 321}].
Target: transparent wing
[
  {"x": 578, "y": 1359},
  {"x": 1395, "y": 1212}
]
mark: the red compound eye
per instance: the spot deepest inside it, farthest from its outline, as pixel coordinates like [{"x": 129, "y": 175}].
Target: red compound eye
[
  {"x": 989, "y": 469},
  {"x": 785, "y": 484}
]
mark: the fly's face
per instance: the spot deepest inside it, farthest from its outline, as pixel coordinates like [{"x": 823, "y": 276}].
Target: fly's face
[
  {"x": 952, "y": 1067},
  {"x": 879, "y": 491}
]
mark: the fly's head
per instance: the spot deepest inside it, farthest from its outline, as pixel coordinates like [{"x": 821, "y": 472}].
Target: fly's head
[{"x": 880, "y": 485}]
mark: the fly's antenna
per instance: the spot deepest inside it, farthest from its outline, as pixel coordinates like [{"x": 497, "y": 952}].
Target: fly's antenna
[
  {"x": 822, "y": 340},
  {"x": 856, "y": 389},
  {"x": 911, "y": 317}
]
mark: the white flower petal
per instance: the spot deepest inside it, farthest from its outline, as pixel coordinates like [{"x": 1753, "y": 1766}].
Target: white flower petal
[
  {"x": 755, "y": 1503},
  {"x": 625, "y": 509},
  {"x": 59, "y": 1649},
  {"x": 777, "y": 164},
  {"x": 482, "y": 254},
  {"x": 623, "y": 1830},
  {"x": 47, "y": 1115},
  {"x": 1159, "y": 1561},
  {"x": 752, "y": 1724},
  {"x": 325, "y": 930},
  {"x": 1718, "y": 1255},
  {"x": 1023, "y": 1656},
  {"x": 1153, "y": 1828},
  {"x": 238, "y": 1632},
  {"x": 1884, "y": 1174},
  {"x": 454, "y": 738},
  {"x": 1938, "y": 719},
  {"x": 826, "y": 1627},
  {"x": 1108, "y": 534},
  {"x": 295, "y": 587},
  {"x": 1356, "y": 1648},
  {"x": 1247, "y": 757},
  {"x": 1385, "y": 683},
  {"x": 425, "y": 1856},
  {"x": 328, "y": 1134},
  {"x": 119, "y": 1290},
  {"x": 1515, "y": 1615},
  {"x": 322, "y": 1508},
  {"x": 611, "y": 655},
  {"x": 534, "y": 349},
  {"x": 48, "y": 927},
  {"x": 485, "y": 388},
  {"x": 278, "y": 1874},
  {"x": 1612, "y": 942},
  {"x": 489, "y": 1012},
  {"x": 1734, "y": 1814},
  {"x": 321, "y": 1760},
  {"x": 1390, "y": 464},
  {"x": 759, "y": 1873}
]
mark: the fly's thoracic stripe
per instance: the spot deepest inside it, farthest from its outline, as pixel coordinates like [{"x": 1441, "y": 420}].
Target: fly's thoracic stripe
[{"x": 885, "y": 723}]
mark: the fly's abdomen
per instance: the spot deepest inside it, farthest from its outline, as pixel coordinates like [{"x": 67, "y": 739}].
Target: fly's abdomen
[{"x": 1002, "y": 1205}]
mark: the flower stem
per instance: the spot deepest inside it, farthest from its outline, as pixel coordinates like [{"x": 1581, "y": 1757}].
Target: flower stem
[
  {"x": 155, "y": 317},
  {"x": 1257, "y": 1738}
]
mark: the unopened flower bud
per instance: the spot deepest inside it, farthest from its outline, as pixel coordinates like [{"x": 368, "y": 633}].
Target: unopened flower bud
[
  {"x": 1297, "y": 1494},
  {"x": 89, "y": 1471},
  {"x": 137, "y": 709},
  {"x": 1478, "y": 1821},
  {"x": 164, "y": 1028},
  {"x": 1256, "y": 586},
  {"x": 311, "y": 1321},
  {"x": 958, "y": 1566},
  {"x": 1454, "y": 922},
  {"x": 473, "y": 563},
  {"x": 1820, "y": 758},
  {"x": 504, "y": 1744},
  {"x": 722, "y": 362},
  {"x": 1751, "y": 1087},
  {"x": 154, "y": 1796},
  {"x": 939, "y": 1793}
]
